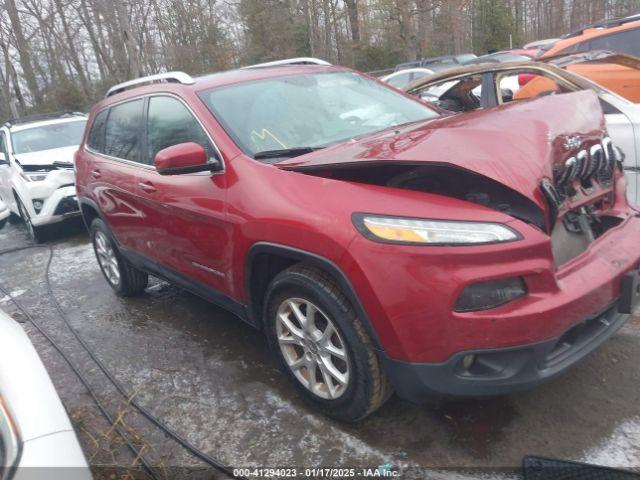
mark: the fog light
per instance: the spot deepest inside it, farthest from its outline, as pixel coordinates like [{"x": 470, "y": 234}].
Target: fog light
[
  {"x": 467, "y": 361},
  {"x": 490, "y": 294},
  {"x": 37, "y": 205}
]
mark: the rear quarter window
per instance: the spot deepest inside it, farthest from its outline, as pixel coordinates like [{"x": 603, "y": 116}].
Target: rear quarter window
[{"x": 95, "y": 140}]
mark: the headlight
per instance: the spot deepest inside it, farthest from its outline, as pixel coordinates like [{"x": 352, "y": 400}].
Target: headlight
[
  {"x": 431, "y": 232},
  {"x": 34, "y": 177}
]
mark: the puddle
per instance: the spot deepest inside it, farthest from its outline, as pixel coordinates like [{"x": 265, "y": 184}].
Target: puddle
[{"x": 476, "y": 425}]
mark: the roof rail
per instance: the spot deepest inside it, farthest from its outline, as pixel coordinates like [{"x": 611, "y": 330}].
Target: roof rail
[
  {"x": 290, "y": 61},
  {"x": 41, "y": 117},
  {"x": 176, "y": 77}
]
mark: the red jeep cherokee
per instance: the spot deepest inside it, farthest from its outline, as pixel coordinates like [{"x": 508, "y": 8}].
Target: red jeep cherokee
[{"x": 379, "y": 244}]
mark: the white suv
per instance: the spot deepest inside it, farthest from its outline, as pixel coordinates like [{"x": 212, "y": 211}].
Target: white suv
[{"x": 36, "y": 168}]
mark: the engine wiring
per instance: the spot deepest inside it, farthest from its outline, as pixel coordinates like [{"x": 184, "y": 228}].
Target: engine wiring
[{"x": 206, "y": 458}]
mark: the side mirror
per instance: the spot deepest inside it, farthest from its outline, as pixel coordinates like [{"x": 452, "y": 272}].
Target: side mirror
[
  {"x": 3, "y": 159},
  {"x": 184, "y": 158}
]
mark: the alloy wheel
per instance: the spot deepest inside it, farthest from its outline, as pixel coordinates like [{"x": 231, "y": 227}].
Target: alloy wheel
[
  {"x": 312, "y": 348},
  {"x": 107, "y": 258}
]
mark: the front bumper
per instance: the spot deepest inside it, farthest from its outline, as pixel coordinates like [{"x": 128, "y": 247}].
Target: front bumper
[
  {"x": 57, "y": 193},
  {"x": 504, "y": 370},
  {"x": 57, "y": 456},
  {"x": 59, "y": 205}
]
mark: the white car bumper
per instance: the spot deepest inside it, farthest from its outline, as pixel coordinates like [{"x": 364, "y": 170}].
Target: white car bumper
[
  {"x": 52, "y": 457},
  {"x": 55, "y": 197},
  {"x": 38, "y": 441}
]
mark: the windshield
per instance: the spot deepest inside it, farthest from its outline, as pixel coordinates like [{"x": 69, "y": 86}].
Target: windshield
[
  {"x": 47, "y": 137},
  {"x": 310, "y": 111}
]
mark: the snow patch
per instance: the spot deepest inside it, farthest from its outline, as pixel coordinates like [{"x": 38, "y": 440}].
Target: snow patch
[
  {"x": 7, "y": 298},
  {"x": 620, "y": 450}
]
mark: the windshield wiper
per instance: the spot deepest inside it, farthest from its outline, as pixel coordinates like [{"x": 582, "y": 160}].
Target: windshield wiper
[{"x": 285, "y": 152}]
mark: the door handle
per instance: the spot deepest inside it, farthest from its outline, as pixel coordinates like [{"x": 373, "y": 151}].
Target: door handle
[
  {"x": 96, "y": 173},
  {"x": 147, "y": 187}
]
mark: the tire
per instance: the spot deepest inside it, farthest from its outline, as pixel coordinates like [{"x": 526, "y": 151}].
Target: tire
[
  {"x": 36, "y": 234},
  {"x": 3, "y": 222},
  {"x": 120, "y": 274},
  {"x": 363, "y": 387},
  {"x": 14, "y": 219}
]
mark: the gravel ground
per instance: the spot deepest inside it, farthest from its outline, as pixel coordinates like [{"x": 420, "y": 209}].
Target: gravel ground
[{"x": 210, "y": 378}]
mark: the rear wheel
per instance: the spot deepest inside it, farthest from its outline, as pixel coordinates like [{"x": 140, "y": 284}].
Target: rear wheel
[
  {"x": 35, "y": 233},
  {"x": 120, "y": 274},
  {"x": 322, "y": 346}
]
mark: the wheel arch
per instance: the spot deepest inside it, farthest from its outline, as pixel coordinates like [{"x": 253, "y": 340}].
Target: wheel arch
[
  {"x": 265, "y": 260},
  {"x": 90, "y": 211}
]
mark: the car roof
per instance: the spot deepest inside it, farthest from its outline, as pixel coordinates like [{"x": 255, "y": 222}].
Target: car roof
[
  {"x": 26, "y": 125},
  {"x": 409, "y": 70},
  {"x": 594, "y": 56},
  {"x": 594, "y": 31},
  {"x": 221, "y": 79}
]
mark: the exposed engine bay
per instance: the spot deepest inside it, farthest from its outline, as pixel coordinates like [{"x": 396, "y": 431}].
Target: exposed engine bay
[
  {"x": 448, "y": 180},
  {"x": 584, "y": 179}
]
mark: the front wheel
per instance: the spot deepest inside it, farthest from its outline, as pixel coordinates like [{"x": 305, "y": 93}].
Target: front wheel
[
  {"x": 322, "y": 346},
  {"x": 36, "y": 234},
  {"x": 120, "y": 274}
]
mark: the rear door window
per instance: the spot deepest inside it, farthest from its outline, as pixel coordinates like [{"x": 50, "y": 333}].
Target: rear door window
[
  {"x": 526, "y": 84},
  {"x": 169, "y": 123},
  {"x": 122, "y": 131}
]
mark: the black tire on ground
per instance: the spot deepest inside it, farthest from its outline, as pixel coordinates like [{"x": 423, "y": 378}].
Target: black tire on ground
[
  {"x": 368, "y": 387},
  {"x": 36, "y": 234},
  {"x": 132, "y": 281},
  {"x": 14, "y": 219},
  {"x": 3, "y": 222}
]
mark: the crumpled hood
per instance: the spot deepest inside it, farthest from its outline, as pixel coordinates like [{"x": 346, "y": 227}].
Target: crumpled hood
[
  {"x": 517, "y": 145},
  {"x": 48, "y": 157}
]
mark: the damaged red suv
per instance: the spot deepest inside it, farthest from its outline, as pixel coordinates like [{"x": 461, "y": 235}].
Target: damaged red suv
[{"x": 379, "y": 244}]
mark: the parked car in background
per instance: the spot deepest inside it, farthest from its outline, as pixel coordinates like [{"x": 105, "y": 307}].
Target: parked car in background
[
  {"x": 36, "y": 168},
  {"x": 4, "y": 214},
  {"x": 619, "y": 73},
  {"x": 539, "y": 44},
  {"x": 502, "y": 57},
  {"x": 404, "y": 77},
  {"x": 437, "y": 63},
  {"x": 37, "y": 440},
  {"x": 485, "y": 86},
  {"x": 379, "y": 244},
  {"x": 621, "y": 35}
]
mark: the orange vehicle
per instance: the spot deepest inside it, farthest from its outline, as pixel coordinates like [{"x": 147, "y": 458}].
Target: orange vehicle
[
  {"x": 616, "y": 72},
  {"x": 620, "y": 36}
]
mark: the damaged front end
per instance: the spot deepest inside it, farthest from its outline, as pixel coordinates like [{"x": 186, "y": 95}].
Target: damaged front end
[
  {"x": 547, "y": 162},
  {"x": 582, "y": 197}
]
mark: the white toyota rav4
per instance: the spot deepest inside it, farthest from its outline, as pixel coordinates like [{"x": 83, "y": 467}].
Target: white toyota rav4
[{"x": 36, "y": 168}]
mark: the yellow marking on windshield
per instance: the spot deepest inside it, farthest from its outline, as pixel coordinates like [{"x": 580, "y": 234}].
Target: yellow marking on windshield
[{"x": 263, "y": 135}]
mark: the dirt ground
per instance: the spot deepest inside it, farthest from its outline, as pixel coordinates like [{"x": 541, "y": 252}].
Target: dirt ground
[{"x": 210, "y": 378}]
